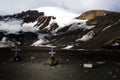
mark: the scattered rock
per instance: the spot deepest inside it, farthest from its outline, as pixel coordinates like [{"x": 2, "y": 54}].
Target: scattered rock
[
  {"x": 71, "y": 75},
  {"x": 16, "y": 58},
  {"x": 118, "y": 64},
  {"x": 32, "y": 57},
  {"x": 110, "y": 73},
  {"x": 52, "y": 61},
  {"x": 67, "y": 60},
  {"x": 80, "y": 64},
  {"x": 4, "y": 62},
  {"x": 53, "y": 67},
  {"x": 87, "y": 71},
  {"x": 23, "y": 64},
  {"x": 114, "y": 76}
]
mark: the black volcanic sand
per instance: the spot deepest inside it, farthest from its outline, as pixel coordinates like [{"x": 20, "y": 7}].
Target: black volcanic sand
[{"x": 70, "y": 66}]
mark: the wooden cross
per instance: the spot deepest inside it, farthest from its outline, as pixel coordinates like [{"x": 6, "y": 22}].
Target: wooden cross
[
  {"x": 16, "y": 49},
  {"x": 52, "y": 52}
]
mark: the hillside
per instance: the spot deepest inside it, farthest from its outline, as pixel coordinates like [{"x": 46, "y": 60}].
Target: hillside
[{"x": 95, "y": 29}]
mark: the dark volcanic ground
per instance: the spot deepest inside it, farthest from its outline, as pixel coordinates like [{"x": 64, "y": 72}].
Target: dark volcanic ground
[{"x": 70, "y": 65}]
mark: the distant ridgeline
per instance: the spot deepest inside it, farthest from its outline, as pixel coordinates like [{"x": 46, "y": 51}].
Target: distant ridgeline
[{"x": 95, "y": 29}]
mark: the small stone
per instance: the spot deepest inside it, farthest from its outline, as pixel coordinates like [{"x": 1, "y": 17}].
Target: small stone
[
  {"x": 117, "y": 70},
  {"x": 80, "y": 64},
  {"x": 53, "y": 67},
  {"x": 118, "y": 64},
  {"x": 23, "y": 64},
  {"x": 71, "y": 75},
  {"x": 114, "y": 76},
  {"x": 110, "y": 73},
  {"x": 67, "y": 59},
  {"x": 4, "y": 63},
  {"x": 87, "y": 71},
  {"x": 32, "y": 57},
  {"x": 16, "y": 58}
]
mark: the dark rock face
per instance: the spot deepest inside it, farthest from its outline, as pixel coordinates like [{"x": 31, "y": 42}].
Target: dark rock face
[
  {"x": 53, "y": 26},
  {"x": 25, "y": 39},
  {"x": 28, "y": 38},
  {"x": 28, "y": 16},
  {"x": 1, "y": 35}
]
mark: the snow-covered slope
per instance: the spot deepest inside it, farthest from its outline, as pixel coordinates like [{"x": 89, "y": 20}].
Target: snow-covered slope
[{"x": 63, "y": 17}]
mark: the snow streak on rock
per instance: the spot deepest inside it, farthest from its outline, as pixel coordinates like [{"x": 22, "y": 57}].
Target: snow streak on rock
[{"x": 87, "y": 37}]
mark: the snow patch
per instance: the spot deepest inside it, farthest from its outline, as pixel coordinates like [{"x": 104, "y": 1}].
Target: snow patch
[
  {"x": 116, "y": 44},
  {"x": 87, "y": 37},
  {"x": 14, "y": 26},
  {"x": 81, "y": 49},
  {"x": 82, "y": 24},
  {"x": 6, "y": 43},
  {"x": 68, "y": 47},
  {"x": 46, "y": 46},
  {"x": 26, "y": 27},
  {"x": 106, "y": 27},
  {"x": 41, "y": 40},
  {"x": 11, "y": 26}
]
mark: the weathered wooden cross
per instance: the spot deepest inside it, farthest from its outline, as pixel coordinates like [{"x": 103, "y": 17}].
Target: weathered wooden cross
[
  {"x": 52, "y": 52},
  {"x": 16, "y": 49},
  {"x": 16, "y": 57}
]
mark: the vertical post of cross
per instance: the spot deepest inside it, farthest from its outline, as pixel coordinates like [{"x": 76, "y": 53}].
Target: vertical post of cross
[{"x": 16, "y": 57}]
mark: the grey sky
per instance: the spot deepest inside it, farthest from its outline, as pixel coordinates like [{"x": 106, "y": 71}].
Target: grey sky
[{"x": 15, "y": 6}]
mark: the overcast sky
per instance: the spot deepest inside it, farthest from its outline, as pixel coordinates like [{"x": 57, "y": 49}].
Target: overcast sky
[{"x": 14, "y": 6}]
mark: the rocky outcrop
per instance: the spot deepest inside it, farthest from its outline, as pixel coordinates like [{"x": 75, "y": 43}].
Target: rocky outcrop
[
  {"x": 92, "y": 14},
  {"x": 27, "y": 16}
]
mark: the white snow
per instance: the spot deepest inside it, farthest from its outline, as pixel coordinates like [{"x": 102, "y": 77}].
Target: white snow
[
  {"x": 4, "y": 40},
  {"x": 116, "y": 44},
  {"x": 26, "y": 27},
  {"x": 14, "y": 26},
  {"x": 81, "y": 49},
  {"x": 39, "y": 44},
  {"x": 82, "y": 24},
  {"x": 6, "y": 43},
  {"x": 87, "y": 37},
  {"x": 68, "y": 47},
  {"x": 106, "y": 27},
  {"x": 10, "y": 26},
  {"x": 63, "y": 17},
  {"x": 41, "y": 40},
  {"x": 47, "y": 46}
]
